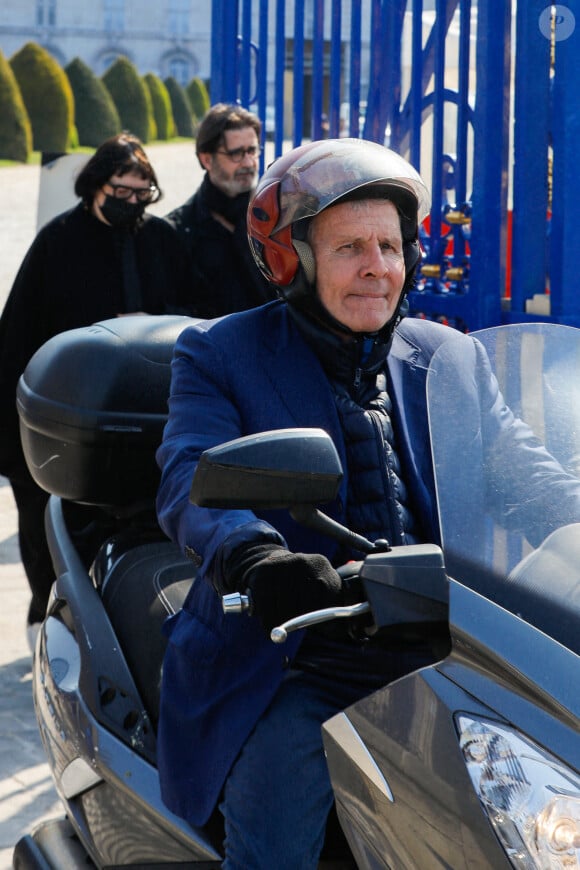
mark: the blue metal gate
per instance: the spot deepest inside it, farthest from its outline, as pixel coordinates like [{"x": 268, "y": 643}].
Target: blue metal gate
[{"x": 482, "y": 97}]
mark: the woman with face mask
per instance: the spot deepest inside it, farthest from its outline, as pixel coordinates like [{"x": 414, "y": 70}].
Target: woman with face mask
[{"x": 104, "y": 258}]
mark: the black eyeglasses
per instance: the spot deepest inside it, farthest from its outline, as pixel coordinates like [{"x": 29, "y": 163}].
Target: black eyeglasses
[
  {"x": 238, "y": 154},
  {"x": 143, "y": 194}
]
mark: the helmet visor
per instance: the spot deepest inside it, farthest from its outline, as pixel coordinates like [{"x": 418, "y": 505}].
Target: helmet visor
[{"x": 334, "y": 168}]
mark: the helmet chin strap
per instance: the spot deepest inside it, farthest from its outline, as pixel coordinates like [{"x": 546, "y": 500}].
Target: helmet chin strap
[
  {"x": 311, "y": 305},
  {"x": 403, "y": 308}
]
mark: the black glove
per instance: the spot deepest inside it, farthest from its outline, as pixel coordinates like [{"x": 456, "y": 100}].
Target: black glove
[{"x": 284, "y": 584}]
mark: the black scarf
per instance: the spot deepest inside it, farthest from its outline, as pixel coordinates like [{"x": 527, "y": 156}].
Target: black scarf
[
  {"x": 232, "y": 208},
  {"x": 353, "y": 361}
]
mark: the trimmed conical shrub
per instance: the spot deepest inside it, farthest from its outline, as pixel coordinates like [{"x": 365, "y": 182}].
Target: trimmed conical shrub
[
  {"x": 15, "y": 130},
  {"x": 152, "y": 135},
  {"x": 129, "y": 94},
  {"x": 162, "y": 110},
  {"x": 198, "y": 98},
  {"x": 48, "y": 97},
  {"x": 181, "y": 107},
  {"x": 96, "y": 115}
]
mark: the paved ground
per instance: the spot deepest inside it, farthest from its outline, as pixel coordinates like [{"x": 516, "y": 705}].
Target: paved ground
[{"x": 26, "y": 791}]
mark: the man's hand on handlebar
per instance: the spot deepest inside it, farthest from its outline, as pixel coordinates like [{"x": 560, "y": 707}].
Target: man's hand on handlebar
[{"x": 283, "y": 584}]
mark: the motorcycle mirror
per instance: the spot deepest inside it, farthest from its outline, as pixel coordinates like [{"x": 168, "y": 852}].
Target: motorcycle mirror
[{"x": 281, "y": 468}]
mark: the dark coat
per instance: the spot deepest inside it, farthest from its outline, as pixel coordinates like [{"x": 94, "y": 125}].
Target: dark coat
[
  {"x": 223, "y": 272},
  {"x": 253, "y": 372},
  {"x": 72, "y": 276}
]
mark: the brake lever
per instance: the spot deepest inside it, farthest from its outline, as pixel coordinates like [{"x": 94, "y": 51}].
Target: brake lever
[{"x": 280, "y": 633}]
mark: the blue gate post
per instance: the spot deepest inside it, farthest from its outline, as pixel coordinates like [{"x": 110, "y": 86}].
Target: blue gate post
[
  {"x": 565, "y": 231},
  {"x": 280, "y": 61},
  {"x": 355, "y": 70},
  {"x": 376, "y": 50},
  {"x": 317, "y": 69},
  {"x": 217, "y": 39},
  {"x": 298, "y": 74},
  {"x": 440, "y": 32},
  {"x": 336, "y": 61},
  {"x": 246, "y": 92},
  {"x": 529, "y": 266},
  {"x": 490, "y": 162},
  {"x": 415, "y": 100},
  {"x": 390, "y": 101},
  {"x": 462, "y": 203},
  {"x": 224, "y": 53},
  {"x": 383, "y": 102},
  {"x": 262, "y": 70}
]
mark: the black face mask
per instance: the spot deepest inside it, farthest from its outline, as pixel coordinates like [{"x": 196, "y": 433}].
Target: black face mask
[{"x": 122, "y": 214}]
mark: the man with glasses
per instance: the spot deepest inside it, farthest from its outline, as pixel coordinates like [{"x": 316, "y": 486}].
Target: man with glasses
[{"x": 212, "y": 223}]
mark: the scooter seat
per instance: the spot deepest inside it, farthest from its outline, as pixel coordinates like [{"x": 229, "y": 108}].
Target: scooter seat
[{"x": 144, "y": 586}]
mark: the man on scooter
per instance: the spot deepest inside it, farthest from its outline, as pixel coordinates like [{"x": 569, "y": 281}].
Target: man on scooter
[{"x": 334, "y": 225}]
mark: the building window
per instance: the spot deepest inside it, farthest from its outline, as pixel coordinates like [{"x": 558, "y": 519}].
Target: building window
[
  {"x": 46, "y": 13},
  {"x": 179, "y": 69},
  {"x": 114, "y": 11},
  {"x": 179, "y": 18}
]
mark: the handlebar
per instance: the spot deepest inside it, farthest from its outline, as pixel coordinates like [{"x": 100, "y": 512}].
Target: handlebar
[
  {"x": 405, "y": 586},
  {"x": 235, "y": 602}
]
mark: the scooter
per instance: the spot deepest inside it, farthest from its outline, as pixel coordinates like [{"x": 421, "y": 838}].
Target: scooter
[{"x": 472, "y": 762}]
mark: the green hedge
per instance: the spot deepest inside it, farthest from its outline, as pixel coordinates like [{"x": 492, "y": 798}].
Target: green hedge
[
  {"x": 162, "y": 110},
  {"x": 198, "y": 98},
  {"x": 48, "y": 98},
  {"x": 130, "y": 96},
  {"x": 97, "y": 118},
  {"x": 15, "y": 129},
  {"x": 181, "y": 107},
  {"x": 152, "y": 133}
]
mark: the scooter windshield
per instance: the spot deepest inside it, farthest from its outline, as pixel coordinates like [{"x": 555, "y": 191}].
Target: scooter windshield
[{"x": 504, "y": 419}]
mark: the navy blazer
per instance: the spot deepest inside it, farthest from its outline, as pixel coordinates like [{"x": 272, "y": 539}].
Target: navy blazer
[{"x": 252, "y": 372}]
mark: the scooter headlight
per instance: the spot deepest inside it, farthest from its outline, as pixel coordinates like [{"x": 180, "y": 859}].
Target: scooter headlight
[{"x": 531, "y": 798}]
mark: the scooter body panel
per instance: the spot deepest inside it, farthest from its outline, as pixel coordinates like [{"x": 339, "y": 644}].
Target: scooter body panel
[
  {"x": 419, "y": 807},
  {"x": 110, "y": 792}
]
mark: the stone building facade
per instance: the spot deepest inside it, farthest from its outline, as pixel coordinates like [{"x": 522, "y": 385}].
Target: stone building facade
[{"x": 168, "y": 38}]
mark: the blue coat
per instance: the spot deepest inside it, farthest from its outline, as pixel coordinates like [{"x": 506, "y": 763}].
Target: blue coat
[{"x": 242, "y": 374}]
